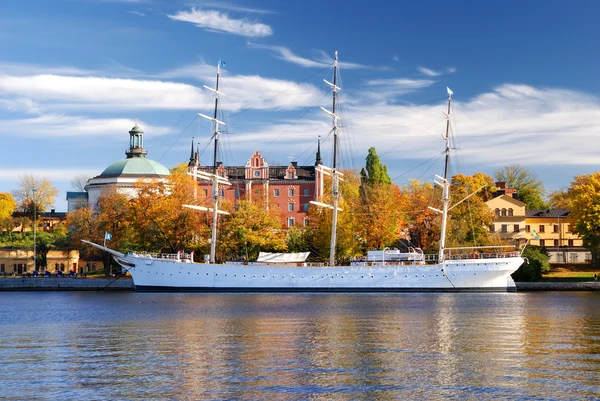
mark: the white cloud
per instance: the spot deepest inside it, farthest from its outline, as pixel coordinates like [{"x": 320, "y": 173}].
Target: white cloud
[
  {"x": 137, "y": 13},
  {"x": 217, "y": 21},
  {"x": 287, "y": 55},
  {"x": 52, "y": 173},
  {"x": 432, "y": 73},
  {"x": 59, "y": 125},
  {"x": 222, "y": 5},
  {"x": 56, "y": 92},
  {"x": 323, "y": 59},
  {"x": 387, "y": 89},
  {"x": 428, "y": 72}
]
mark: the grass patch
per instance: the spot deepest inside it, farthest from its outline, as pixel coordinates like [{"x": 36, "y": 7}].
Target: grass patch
[{"x": 570, "y": 273}]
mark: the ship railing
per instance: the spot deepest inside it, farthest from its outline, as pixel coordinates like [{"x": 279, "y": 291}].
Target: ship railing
[
  {"x": 482, "y": 255},
  {"x": 169, "y": 256}
]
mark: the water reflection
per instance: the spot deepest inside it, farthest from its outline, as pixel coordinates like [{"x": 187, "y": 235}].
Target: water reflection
[{"x": 301, "y": 346}]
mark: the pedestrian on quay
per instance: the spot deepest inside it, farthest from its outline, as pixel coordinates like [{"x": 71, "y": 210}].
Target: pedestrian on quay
[{"x": 595, "y": 277}]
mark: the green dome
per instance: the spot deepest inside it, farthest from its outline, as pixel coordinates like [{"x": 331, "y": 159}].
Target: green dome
[{"x": 136, "y": 166}]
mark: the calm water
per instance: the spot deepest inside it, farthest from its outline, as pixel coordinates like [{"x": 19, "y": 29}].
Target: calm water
[{"x": 97, "y": 346}]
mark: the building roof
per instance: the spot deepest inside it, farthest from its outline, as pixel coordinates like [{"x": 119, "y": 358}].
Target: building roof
[
  {"x": 135, "y": 166},
  {"x": 508, "y": 199},
  {"x": 77, "y": 195},
  {"x": 549, "y": 213}
]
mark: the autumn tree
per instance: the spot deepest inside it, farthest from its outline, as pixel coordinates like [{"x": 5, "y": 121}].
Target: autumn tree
[
  {"x": 584, "y": 195},
  {"x": 160, "y": 222},
  {"x": 422, "y": 224},
  {"x": 348, "y": 239},
  {"x": 530, "y": 189},
  {"x": 83, "y": 224},
  {"x": 560, "y": 199},
  {"x": 250, "y": 229},
  {"x": 7, "y": 205},
  {"x": 469, "y": 217},
  {"x": 38, "y": 191}
]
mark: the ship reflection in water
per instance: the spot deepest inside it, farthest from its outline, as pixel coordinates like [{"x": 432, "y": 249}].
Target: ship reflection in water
[{"x": 300, "y": 346}]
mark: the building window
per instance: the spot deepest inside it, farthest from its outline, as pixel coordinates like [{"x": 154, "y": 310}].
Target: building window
[
  {"x": 516, "y": 228},
  {"x": 510, "y": 212},
  {"x": 306, "y": 192},
  {"x": 257, "y": 174},
  {"x": 497, "y": 212},
  {"x": 542, "y": 228},
  {"x": 2, "y": 268},
  {"x": 221, "y": 192},
  {"x": 291, "y": 222},
  {"x": 291, "y": 192},
  {"x": 205, "y": 192},
  {"x": 570, "y": 242},
  {"x": 290, "y": 207},
  {"x": 542, "y": 242},
  {"x": 556, "y": 242},
  {"x": 236, "y": 193},
  {"x": 305, "y": 206},
  {"x": 305, "y": 221},
  {"x": 527, "y": 228},
  {"x": 556, "y": 228},
  {"x": 569, "y": 228},
  {"x": 492, "y": 228},
  {"x": 277, "y": 205},
  {"x": 276, "y": 192},
  {"x": 504, "y": 228},
  {"x": 503, "y": 212}
]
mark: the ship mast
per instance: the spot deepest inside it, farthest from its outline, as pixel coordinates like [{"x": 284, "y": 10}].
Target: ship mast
[
  {"x": 445, "y": 184},
  {"x": 214, "y": 177},
  {"x": 336, "y": 176}
]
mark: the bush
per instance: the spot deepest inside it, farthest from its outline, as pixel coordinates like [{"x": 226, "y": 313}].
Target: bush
[{"x": 538, "y": 264}]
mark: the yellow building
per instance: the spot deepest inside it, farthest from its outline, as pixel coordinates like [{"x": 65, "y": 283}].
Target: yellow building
[
  {"x": 551, "y": 229},
  {"x": 20, "y": 261}
]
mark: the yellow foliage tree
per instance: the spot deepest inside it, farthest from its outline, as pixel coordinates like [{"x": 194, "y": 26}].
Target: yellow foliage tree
[{"x": 584, "y": 195}]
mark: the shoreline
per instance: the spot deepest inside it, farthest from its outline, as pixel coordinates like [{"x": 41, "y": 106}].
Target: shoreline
[{"x": 113, "y": 284}]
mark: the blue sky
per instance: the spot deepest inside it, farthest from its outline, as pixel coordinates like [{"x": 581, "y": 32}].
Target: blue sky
[{"x": 75, "y": 74}]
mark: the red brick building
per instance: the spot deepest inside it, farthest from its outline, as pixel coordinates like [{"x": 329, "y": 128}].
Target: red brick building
[{"x": 288, "y": 188}]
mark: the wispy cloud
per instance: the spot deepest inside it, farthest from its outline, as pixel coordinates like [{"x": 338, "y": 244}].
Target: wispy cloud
[
  {"x": 137, "y": 13},
  {"x": 216, "y": 21},
  {"x": 222, "y": 5},
  {"x": 398, "y": 86},
  {"x": 433, "y": 73},
  {"x": 283, "y": 53},
  {"x": 323, "y": 59}
]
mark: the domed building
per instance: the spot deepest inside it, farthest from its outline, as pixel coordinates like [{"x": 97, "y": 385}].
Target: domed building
[{"x": 123, "y": 174}]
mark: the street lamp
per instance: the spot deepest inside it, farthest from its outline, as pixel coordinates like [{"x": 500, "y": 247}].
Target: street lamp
[{"x": 34, "y": 232}]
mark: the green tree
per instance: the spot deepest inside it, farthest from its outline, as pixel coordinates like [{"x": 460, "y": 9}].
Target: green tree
[
  {"x": 530, "y": 189},
  {"x": 536, "y": 263},
  {"x": 7, "y": 205},
  {"x": 584, "y": 194},
  {"x": 374, "y": 171}
]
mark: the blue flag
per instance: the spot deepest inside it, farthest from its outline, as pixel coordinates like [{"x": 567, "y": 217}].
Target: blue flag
[
  {"x": 107, "y": 236},
  {"x": 222, "y": 63}
]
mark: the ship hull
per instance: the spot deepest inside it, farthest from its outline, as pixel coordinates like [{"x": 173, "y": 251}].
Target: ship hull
[{"x": 159, "y": 275}]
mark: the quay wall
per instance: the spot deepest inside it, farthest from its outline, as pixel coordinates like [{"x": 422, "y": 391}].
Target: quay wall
[
  {"x": 65, "y": 284},
  {"x": 558, "y": 286},
  {"x": 126, "y": 284}
]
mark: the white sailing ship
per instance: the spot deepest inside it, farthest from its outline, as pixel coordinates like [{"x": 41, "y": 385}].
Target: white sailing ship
[{"x": 384, "y": 271}]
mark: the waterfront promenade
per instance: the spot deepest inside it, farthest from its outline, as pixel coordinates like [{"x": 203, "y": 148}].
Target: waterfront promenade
[{"x": 126, "y": 284}]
